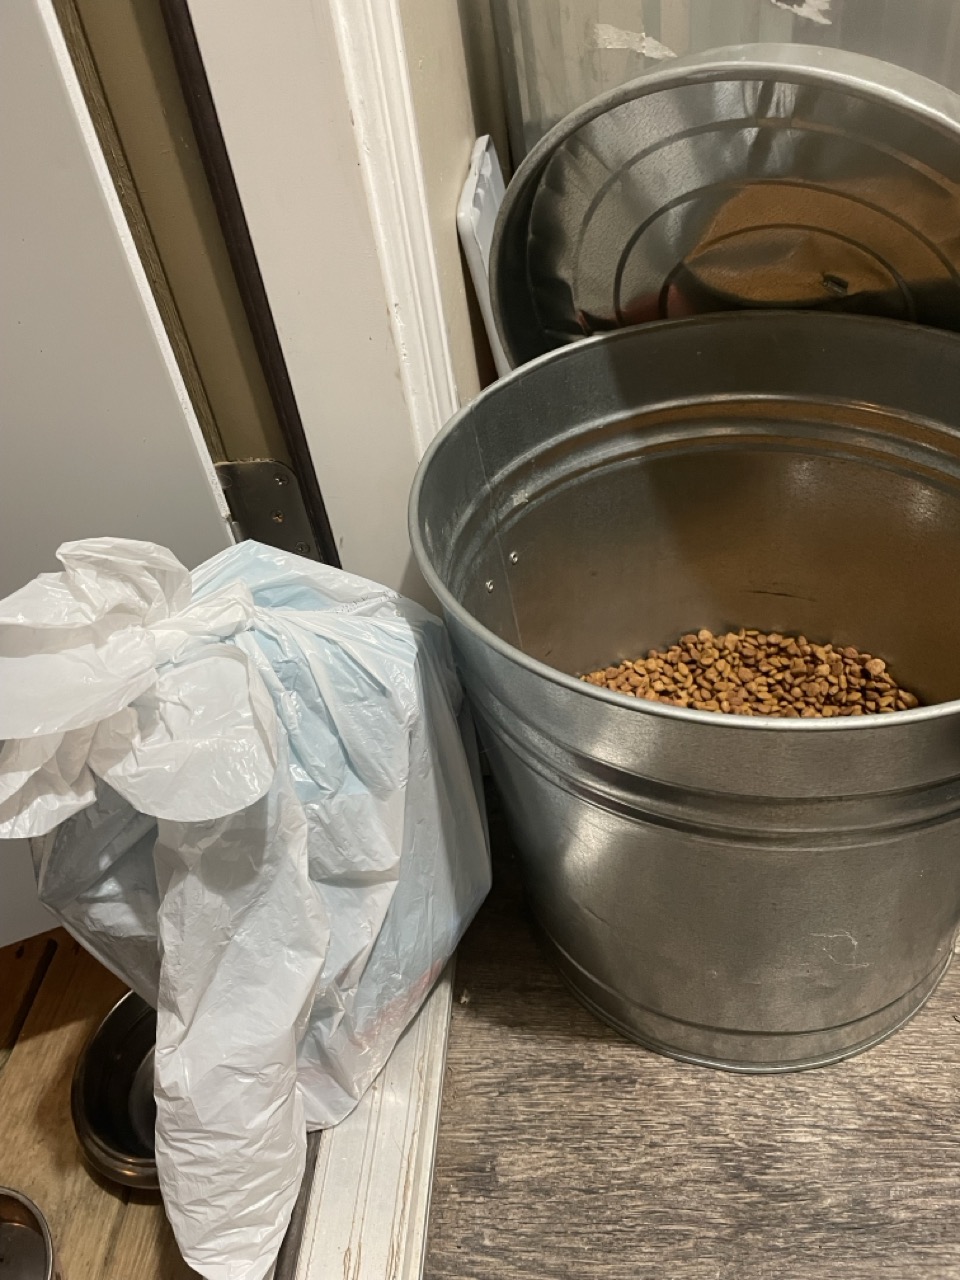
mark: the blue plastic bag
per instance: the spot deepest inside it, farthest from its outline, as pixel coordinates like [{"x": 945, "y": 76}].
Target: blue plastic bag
[{"x": 261, "y": 798}]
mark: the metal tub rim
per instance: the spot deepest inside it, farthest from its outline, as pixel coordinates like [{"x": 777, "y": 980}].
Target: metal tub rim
[
  {"x": 913, "y": 94},
  {"x": 464, "y": 618}
]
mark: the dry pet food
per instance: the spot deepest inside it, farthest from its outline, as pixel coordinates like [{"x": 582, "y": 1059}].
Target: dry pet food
[{"x": 750, "y": 673}]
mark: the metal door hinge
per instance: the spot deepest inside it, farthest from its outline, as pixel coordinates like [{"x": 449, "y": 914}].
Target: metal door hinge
[{"x": 266, "y": 504}]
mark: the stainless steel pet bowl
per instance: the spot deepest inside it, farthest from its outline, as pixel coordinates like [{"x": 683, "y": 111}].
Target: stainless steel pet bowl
[
  {"x": 26, "y": 1247},
  {"x": 112, "y": 1101}
]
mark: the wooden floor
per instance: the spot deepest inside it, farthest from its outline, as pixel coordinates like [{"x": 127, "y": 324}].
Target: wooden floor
[
  {"x": 566, "y": 1152},
  {"x": 52, "y": 996}
]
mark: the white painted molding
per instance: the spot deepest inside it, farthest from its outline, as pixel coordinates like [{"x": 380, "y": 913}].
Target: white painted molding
[
  {"x": 327, "y": 161},
  {"x": 376, "y": 77},
  {"x": 370, "y": 1199}
]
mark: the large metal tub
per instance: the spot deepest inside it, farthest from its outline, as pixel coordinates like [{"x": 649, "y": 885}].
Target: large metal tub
[{"x": 758, "y": 895}]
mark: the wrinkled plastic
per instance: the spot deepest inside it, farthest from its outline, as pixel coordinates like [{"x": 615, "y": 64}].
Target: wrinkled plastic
[{"x": 262, "y": 815}]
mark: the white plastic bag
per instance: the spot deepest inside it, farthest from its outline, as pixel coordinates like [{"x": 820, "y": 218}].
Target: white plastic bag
[{"x": 270, "y": 829}]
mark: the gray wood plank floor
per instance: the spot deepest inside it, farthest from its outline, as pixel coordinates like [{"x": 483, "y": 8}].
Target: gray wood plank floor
[{"x": 565, "y": 1151}]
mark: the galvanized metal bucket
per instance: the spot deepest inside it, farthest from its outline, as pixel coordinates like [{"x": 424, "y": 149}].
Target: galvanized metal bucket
[
  {"x": 751, "y": 894},
  {"x": 762, "y": 176}
]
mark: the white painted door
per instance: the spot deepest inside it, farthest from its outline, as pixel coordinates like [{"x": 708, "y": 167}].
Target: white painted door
[{"x": 97, "y": 435}]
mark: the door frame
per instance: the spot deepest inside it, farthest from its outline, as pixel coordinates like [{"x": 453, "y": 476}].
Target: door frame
[{"x": 348, "y": 262}]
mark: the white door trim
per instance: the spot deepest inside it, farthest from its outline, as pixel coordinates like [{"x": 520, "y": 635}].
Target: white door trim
[
  {"x": 377, "y": 83},
  {"x": 369, "y": 1204},
  {"x": 327, "y": 161}
]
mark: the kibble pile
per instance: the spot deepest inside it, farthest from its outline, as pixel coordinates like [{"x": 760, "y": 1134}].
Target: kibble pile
[{"x": 749, "y": 673}]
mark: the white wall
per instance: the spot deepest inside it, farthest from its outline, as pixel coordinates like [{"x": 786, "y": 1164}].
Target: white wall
[
  {"x": 349, "y": 156},
  {"x": 277, "y": 83},
  {"x": 96, "y": 432}
]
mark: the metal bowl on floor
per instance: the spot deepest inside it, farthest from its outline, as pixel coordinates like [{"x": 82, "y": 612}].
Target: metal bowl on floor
[
  {"x": 112, "y": 1100},
  {"x": 26, "y": 1247}
]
